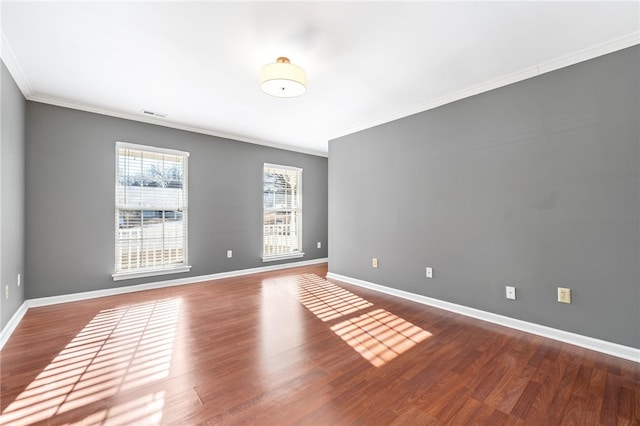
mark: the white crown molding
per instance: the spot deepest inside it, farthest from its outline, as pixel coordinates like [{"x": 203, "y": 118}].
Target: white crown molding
[
  {"x": 524, "y": 74},
  {"x": 9, "y": 59},
  {"x": 66, "y": 103},
  {"x": 564, "y": 61},
  {"x": 591, "y": 52},
  {"x": 610, "y": 348}
]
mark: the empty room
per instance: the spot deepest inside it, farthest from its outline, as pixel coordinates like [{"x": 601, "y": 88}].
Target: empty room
[{"x": 320, "y": 213}]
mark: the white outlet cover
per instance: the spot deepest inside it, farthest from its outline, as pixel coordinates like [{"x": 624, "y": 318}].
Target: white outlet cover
[
  {"x": 511, "y": 292},
  {"x": 319, "y": 244},
  {"x": 429, "y": 272},
  {"x": 229, "y": 253}
]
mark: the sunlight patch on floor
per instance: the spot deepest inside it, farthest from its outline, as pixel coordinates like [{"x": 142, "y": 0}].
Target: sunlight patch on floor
[
  {"x": 326, "y": 300},
  {"x": 120, "y": 349},
  {"x": 377, "y": 335},
  {"x": 146, "y": 410}
]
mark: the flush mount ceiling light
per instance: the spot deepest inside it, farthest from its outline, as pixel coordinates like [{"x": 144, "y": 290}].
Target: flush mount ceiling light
[{"x": 283, "y": 79}]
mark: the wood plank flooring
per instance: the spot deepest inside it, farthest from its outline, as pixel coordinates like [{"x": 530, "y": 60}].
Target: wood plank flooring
[{"x": 290, "y": 347}]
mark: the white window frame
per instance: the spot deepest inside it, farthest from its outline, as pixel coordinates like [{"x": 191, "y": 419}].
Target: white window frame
[
  {"x": 162, "y": 269},
  {"x": 298, "y": 214}
]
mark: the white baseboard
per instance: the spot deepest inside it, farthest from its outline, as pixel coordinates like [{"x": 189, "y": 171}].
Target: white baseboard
[
  {"x": 53, "y": 300},
  {"x": 610, "y": 348},
  {"x": 6, "y": 332},
  {"x": 8, "y": 329}
]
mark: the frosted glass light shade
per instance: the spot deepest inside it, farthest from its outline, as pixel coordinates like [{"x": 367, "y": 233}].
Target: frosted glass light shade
[{"x": 283, "y": 79}]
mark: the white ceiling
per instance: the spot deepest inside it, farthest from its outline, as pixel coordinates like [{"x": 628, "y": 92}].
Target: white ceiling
[{"x": 367, "y": 62}]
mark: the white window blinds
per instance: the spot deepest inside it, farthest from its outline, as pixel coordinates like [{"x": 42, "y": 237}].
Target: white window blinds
[
  {"x": 282, "y": 200},
  {"x": 151, "y": 210}
]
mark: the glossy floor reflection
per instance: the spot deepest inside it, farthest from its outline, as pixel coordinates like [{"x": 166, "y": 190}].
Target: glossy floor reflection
[
  {"x": 290, "y": 347},
  {"x": 377, "y": 335},
  {"x": 118, "y": 350}
]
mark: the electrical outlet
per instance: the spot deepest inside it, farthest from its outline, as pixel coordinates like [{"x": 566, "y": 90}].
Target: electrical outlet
[
  {"x": 429, "y": 272},
  {"x": 319, "y": 244},
  {"x": 564, "y": 295},
  {"x": 6, "y": 292},
  {"x": 229, "y": 253},
  {"x": 374, "y": 262},
  {"x": 18, "y": 280},
  {"x": 511, "y": 292}
]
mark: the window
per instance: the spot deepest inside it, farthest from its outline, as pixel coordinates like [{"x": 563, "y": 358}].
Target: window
[
  {"x": 151, "y": 211},
  {"x": 282, "y": 223}
]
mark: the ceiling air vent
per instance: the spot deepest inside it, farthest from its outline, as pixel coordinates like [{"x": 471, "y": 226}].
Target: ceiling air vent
[{"x": 153, "y": 114}]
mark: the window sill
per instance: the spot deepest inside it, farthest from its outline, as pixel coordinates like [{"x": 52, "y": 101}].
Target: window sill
[
  {"x": 282, "y": 257},
  {"x": 149, "y": 273}
]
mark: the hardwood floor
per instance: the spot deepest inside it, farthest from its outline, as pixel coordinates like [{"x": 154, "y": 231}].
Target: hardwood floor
[{"x": 290, "y": 347}]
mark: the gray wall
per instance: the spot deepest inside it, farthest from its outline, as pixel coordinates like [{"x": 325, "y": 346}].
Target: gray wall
[
  {"x": 535, "y": 185},
  {"x": 70, "y": 160},
  {"x": 11, "y": 196}
]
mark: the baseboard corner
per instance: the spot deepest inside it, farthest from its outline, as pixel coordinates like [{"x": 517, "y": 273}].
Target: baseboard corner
[{"x": 13, "y": 322}]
